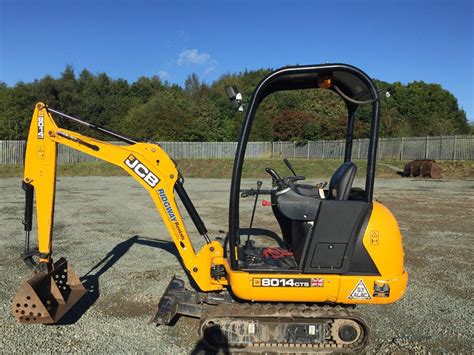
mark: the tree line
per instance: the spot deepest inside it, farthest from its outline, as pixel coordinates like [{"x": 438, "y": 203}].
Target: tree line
[{"x": 153, "y": 109}]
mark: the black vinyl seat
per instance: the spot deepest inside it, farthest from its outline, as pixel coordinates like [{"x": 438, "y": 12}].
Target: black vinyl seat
[
  {"x": 297, "y": 213},
  {"x": 341, "y": 182}
]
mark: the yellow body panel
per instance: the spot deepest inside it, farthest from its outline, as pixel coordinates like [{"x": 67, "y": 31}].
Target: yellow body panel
[
  {"x": 336, "y": 288},
  {"x": 383, "y": 242}
]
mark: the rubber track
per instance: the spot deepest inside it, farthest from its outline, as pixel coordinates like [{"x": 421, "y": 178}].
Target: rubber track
[{"x": 290, "y": 312}]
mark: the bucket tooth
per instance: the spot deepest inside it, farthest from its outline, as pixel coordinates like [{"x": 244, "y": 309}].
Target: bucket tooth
[{"x": 46, "y": 297}]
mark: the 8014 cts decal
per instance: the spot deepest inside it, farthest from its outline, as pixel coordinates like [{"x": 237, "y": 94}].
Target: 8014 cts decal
[
  {"x": 287, "y": 282},
  {"x": 142, "y": 171}
]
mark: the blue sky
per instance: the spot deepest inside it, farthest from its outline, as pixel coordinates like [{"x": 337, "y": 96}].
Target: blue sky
[{"x": 430, "y": 40}]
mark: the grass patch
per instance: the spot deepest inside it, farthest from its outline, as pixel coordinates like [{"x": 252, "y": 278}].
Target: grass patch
[
  {"x": 463, "y": 169},
  {"x": 72, "y": 169},
  {"x": 90, "y": 169},
  {"x": 253, "y": 168},
  {"x": 11, "y": 170}
]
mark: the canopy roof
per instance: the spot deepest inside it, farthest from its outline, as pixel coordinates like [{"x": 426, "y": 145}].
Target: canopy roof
[{"x": 295, "y": 78}]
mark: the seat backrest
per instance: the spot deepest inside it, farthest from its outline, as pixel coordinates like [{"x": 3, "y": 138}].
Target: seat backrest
[{"x": 341, "y": 182}]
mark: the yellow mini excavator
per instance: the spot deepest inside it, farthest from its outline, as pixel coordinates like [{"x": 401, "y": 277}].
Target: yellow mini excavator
[{"x": 339, "y": 247}]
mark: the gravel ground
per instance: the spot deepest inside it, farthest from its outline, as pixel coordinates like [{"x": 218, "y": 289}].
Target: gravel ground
[{"x": 111, "y": 219}]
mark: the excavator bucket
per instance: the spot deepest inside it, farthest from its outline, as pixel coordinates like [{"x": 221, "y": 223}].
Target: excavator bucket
[{"x": 45, "y": 298}]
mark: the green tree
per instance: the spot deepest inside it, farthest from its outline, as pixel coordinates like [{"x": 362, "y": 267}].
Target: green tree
[{"x": 150, "y": 109}]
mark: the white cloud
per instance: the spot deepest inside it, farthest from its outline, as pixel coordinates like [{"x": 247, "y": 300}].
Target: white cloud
[
  {"x": 163, "y": 74},
  {"x": 209, "y": 70},
  {"x": 192, "y": 56}
]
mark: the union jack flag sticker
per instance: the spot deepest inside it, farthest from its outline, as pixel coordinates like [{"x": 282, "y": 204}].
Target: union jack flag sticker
[{"x": 317, "y": 282}]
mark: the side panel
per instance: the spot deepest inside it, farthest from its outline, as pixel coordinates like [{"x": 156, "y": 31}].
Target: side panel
[
  {"x": 315, "y": 288},
  {"x": 384, "y": 242},
  {"x": 284, "y": 287},
  {"x": 349, "y": 284},
  {"x": 335, "y": 242}
]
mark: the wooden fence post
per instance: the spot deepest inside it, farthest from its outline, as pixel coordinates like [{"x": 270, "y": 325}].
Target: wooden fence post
[
  {"x": 426, "y": 146},
  {"x": 401, "y": 148},
  {"x": 454, "y": 148}
]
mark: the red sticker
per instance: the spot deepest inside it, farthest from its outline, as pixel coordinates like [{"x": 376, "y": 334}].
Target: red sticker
[{"x": 317, "y": 282}]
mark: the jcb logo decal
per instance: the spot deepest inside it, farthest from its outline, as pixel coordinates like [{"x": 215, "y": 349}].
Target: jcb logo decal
[{"x": 142, "y": 171}]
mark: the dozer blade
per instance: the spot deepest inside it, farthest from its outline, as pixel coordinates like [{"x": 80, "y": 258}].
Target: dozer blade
[{"x": 45, "y": 298}]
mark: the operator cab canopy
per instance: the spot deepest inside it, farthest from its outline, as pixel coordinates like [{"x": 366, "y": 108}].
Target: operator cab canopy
[
  {"x": 355, "y": 88},
  {"x": 350, "y": 83}
]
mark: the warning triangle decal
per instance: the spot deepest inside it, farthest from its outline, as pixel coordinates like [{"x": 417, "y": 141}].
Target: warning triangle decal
[{"x": 360, "y": 292}]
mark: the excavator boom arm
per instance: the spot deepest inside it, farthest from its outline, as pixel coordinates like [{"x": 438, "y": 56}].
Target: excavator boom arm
[{"x": 147, "y": 163}]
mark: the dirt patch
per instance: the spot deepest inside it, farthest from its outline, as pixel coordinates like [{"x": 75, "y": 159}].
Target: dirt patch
[
  {"x": 117, "y": 305},
  {"x": 147, "y": 275}
]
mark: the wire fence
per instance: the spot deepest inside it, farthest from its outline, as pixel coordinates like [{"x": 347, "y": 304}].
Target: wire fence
[{"x": 438, "y": 148}]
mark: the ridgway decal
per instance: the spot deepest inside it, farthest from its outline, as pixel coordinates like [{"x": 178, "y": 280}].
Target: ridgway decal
[
  {"x": 41, "y": 127},
  {"x": 171, "y": 214},
  {"x": 167, "y": 205},
  {"x": 360, "y": 292},
  {"x": 142, "y": 171},
  {"x": 286, "y": 282}
]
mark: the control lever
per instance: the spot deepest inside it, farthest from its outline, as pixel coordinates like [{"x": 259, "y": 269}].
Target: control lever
[
  {"x": 273, "y": 173},
  {"x": 251, "y": 192},
  {"x": 259, "y": 185},
  {"x": 295, "y": 178},
  {"x": 291, "y": 180},
  {"x": 277, "y": 180},
  {"x": 289, "y": 166},
  {"x": 321, "y": 185}
]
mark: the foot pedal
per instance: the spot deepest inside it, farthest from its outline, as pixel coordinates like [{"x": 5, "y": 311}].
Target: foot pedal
[{"x": 45, "y": 298}]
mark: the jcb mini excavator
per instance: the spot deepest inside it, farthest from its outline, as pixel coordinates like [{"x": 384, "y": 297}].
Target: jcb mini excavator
[{"x": 339, "y": 247}]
